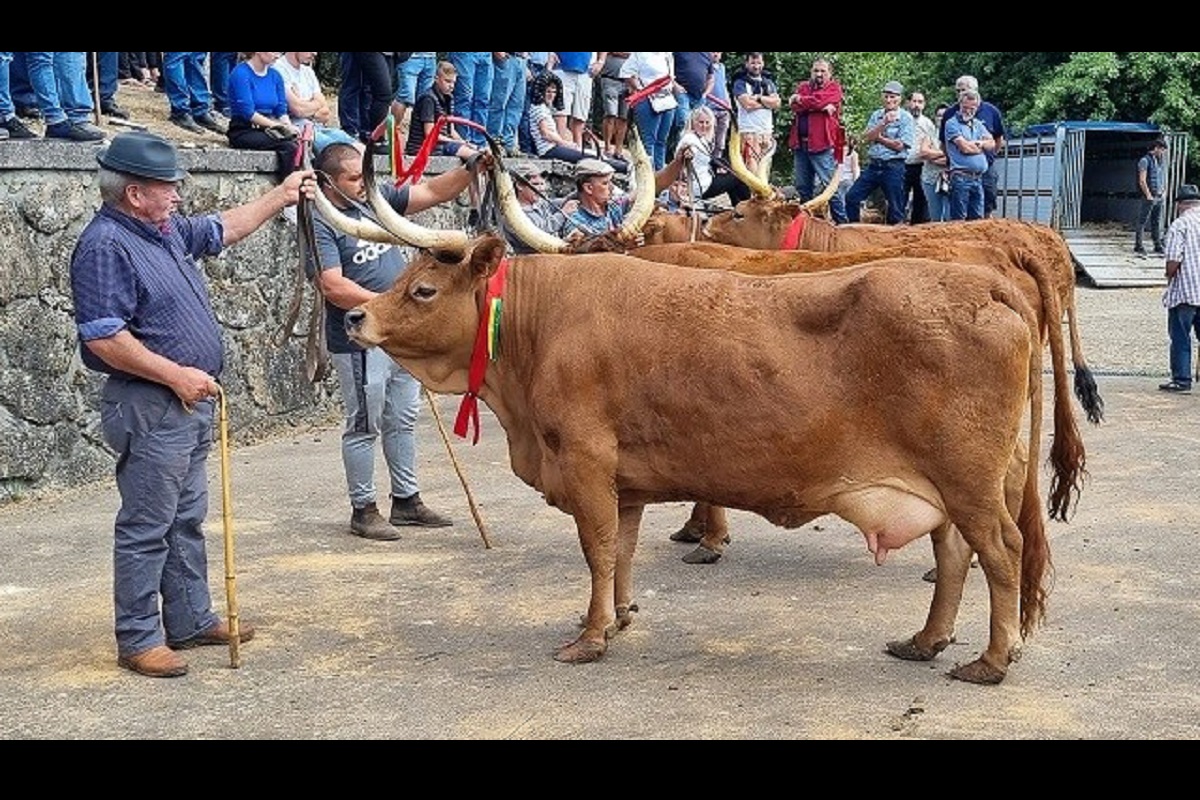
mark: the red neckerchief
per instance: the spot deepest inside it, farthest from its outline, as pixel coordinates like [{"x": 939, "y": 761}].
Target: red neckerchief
[
  {"x": 489, "y": 325},
  {"x": 795, "y": 233}
]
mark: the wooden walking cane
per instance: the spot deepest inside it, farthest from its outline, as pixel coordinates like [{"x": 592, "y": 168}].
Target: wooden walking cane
[
  {"x": 235, "y": 633},
  {"x": 461, "y": 478},
  {"x": 96, "y": 86}
]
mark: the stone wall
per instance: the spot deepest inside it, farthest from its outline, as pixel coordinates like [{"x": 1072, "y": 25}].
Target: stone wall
[{"x": 49, "y": 420}]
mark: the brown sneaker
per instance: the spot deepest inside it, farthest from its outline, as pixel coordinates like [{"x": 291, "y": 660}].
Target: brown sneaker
[
  {"x": 157, "y": 662},
  {"x": 411, "y": 511},
  {"x": 368, "y": 523},
  {"x": 217, "y": 634}
]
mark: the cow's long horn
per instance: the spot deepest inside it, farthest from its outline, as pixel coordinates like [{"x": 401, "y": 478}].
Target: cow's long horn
[
  {"x": 515, "y": 217},
  {"x": 756, "y": 184},
  {"x": 400, "y": 226},
  {"x": 361, "y": 228},
  {"x": 820, "y": 202},
  {"x": 643, "y": 175}
]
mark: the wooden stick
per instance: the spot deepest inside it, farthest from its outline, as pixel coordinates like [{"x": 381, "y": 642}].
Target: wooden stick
[
  {"x": 96, "y": 86},
  {"x": 461, "y": 478},
  {"x": 235, "y": 634}
]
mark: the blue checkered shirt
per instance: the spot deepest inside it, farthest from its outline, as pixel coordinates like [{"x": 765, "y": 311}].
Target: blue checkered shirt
[
  {"x": 1183, "y": 245},
  {"x": 129, "y": 275}
]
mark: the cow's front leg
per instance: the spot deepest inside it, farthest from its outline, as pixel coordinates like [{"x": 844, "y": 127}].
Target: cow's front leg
[
  {"x": 593, "y": 503},
  {"x": 629, "y": 522},
  {"x": 693, "y": 530},
  {"x": 952, "y": 556}
]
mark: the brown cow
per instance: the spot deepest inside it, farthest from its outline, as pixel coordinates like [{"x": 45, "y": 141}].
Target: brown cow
[
  {"x": 855, "y": 392},
  {"x": 708, "y": 526}
]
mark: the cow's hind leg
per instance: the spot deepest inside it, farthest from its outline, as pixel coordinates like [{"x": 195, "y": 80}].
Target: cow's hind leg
[
  {"x": 716, "y": 536},
  {"x": 693, "y": 530},
  {"x": 952, "y": 555},
  {"x": 629, "y": 522}
]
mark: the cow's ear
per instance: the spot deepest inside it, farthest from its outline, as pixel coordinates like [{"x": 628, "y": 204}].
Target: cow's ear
[{"x": 487, "y": 255}]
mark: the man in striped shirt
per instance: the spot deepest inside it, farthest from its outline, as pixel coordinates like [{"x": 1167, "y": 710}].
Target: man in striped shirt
[{"x": 1182, "y": 296}]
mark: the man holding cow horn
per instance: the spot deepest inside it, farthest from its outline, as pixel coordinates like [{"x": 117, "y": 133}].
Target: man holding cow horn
[{"x": 380, "y": 398}]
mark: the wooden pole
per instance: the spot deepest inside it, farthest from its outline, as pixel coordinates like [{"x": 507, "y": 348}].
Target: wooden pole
[
  {"x": 235, "y": 637},
  {"x": 461, "y": 478},
  {"x": 96, "y": 87}
]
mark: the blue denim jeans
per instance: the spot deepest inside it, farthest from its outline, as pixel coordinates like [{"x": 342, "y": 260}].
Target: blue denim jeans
[
  {"x": 106, "y": 65},
  {"x": 59, "y": 83},
  {"x": 507, "y": 100},
  {"x": 966, "y": 197},
  {"x": 887, "y": 176},
  {"x": 812, "y": 174},
  {"x": 1149, "y": 218},
  {"x": 1182, "y": 321},
  {"x": 219, "y": 67},
  {"x": 158, "y": 546},
  {"x": 938, "y": 203},
  {"x": 185, "y": 78},
  {"x": 381, "y": 401},
  {"x": 473, "y": 92},
  {"x": 524, "y": 139},
  {"x": 414, "y": 78},
  {"x": 7, "y": 108},
  {"x": 654, "y": 128}
]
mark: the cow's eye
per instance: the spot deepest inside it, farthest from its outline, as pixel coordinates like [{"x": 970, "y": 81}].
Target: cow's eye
[{"x": 424, "y": 292}]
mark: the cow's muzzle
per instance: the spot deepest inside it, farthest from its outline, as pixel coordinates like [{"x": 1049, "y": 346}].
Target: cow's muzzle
[{"x": 354, "y": 320}]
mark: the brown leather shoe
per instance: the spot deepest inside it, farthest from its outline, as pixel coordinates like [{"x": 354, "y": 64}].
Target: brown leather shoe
[
  {"x": 217, "y": 634},
  {"x": 157, "y": 662}
]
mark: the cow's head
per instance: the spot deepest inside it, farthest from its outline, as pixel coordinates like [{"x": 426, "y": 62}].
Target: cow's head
[
  {"x": 544, "y": 242},
  {"x": 429, "y": 319}
]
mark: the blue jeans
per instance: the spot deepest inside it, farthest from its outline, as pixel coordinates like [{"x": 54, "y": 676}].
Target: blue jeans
[
  {"x": 655, "y": 128},
  {"x": 473, "y": 92},
  {"x": 18, "y": 82},
  {"x": 59, "y": 83},
  {"x": 381, "y": 400},
  {"x": 966, "y": 197},
  {"x": 7, "y": 108},
  {"x": 938, "y": 203},
  {"x": 219, "y": 67},
  {"x": 185, "y": 78},
  {"x": 158, "y": 545},
  {"x": 507, "y": 100},
  {"x": 813, "y": 172},
  {"x": 1182, "y": 321},
  {"x": 107, "y": 65},
  {"x": 887, "y": 176},
  {"x": 1149, "y": 216},
  {"x": 414, "y": 78}
]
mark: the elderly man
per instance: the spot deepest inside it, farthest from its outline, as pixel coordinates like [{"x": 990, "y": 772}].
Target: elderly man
[
  {"x": 968, "y": 143},
  {"x": 594, "y": 211},
  {"x": 891, "y": 135},
  {"x": 1182, "y": 296},
  {"x": 544, "y": 212},
  {"x": 146, "y": 321}
]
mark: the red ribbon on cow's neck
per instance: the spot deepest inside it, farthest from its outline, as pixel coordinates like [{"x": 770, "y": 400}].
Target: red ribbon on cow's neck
[
  {"x": 468, "y": 410},
  {"x": 795, "y": 233}
]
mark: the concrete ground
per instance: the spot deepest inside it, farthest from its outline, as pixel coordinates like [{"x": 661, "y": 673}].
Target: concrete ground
[{"x": 436, "y": 636}]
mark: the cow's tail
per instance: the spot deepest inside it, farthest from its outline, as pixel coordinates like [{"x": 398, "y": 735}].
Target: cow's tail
[
  {"x": 1085, "y": 382},
  {"x": 1068, "y": 459},
  {"x": 1035, "y": 547}
]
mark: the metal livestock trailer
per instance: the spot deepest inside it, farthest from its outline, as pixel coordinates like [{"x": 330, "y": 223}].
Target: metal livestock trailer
[{"x": 1080, "y": 178}]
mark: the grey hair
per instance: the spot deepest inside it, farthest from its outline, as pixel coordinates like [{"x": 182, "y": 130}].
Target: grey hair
[
  {"x": 113, "y": 184},
  {"x": 967, "y": 82},
  {"x": 970, "y": 93},
  {"x": 701, "y": 111}
]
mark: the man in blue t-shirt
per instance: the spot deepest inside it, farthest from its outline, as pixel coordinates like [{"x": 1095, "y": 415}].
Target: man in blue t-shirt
[
  {"x": 993, "y": 120},
  {"x": 968, "y": 141}
]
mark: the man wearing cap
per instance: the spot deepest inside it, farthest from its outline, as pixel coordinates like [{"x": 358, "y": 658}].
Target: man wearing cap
[
  {"x": 543, "y": 212},
  {"x": 145, "y": 320},
  {"x": 1150, "y": 184},
  {"x": 1182, "y": 296},
  {"x": 596, "y": 212},
  {"x": 890, "y": 135}
]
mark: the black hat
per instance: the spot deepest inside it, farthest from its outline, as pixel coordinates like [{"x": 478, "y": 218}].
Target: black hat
[
  {"x": 144, "y": 154},
  {"x": 1188, "y": 193}
]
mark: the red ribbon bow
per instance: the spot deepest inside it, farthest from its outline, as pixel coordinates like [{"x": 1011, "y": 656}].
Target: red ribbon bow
[{"x": 468, "y": 410}]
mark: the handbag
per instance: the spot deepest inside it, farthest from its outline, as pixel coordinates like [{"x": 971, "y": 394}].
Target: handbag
[{"x": 663, "y": 102}]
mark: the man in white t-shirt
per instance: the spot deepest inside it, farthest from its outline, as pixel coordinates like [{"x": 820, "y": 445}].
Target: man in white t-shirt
[
  {"x": 307, "y": 104},
  {"x": 757, "y": 99}
]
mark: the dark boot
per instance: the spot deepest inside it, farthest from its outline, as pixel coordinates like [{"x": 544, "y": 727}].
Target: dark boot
[
  {"x": 411, "y": 511},
  {"x": 368, "y": 523}
]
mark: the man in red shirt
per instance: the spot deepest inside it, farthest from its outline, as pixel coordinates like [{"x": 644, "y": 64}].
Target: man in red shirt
[{"x": 817, "y": 135}]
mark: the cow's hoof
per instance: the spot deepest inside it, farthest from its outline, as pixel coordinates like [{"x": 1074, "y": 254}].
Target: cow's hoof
[
  {"x": 581, "y": 651},
  {"x": 702, "y": 555},
  {"x": 624, "y": 618},
  {"x": 978, "y": 671},
  {"x": 910, "y": 651},
  {"x": 688, "y": 534}
]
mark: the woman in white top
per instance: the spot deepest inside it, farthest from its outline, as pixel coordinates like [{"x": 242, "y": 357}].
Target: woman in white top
[
  {"x": 655, "y": 114},
  {"x": 710, "y": 176},
  {"x": 548, "y": 140}
]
